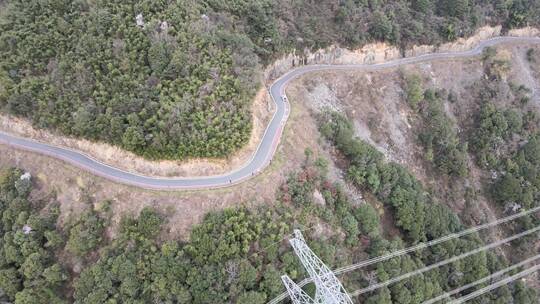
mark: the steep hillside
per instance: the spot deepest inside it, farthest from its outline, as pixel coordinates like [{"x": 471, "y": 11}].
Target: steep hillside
[
  {"x": 173, "y": 80},
  {"x": 466, "y": 122},
  {"x": 435, "y": 118}
]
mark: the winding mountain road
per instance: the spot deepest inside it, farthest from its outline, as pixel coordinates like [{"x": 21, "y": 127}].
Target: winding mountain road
[{"x": 268, "y": 145}]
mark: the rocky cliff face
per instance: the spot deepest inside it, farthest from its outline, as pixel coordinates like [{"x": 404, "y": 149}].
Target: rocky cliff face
[{"x": 380, "y": 52}]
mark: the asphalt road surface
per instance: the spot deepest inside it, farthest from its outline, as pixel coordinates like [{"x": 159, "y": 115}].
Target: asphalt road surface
[{"x": 267, "y": 147}]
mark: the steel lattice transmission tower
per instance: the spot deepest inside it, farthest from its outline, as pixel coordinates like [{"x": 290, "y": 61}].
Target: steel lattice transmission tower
[
  {"x": 328, "y": 288},
  {"x": 298, "y": 296}
]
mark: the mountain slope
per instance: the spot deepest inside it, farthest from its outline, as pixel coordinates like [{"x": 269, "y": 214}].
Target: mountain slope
[{"x": 172, "y": 80}]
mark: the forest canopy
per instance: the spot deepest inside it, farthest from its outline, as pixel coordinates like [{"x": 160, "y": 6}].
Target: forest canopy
[
  {"x": 175, "y": 79},
  {"x": 237, "y": 255}
]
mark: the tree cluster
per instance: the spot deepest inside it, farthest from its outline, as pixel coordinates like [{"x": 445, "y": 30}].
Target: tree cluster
[
  {"x": 494, "y": 129},
  {"x": 421, "y": 218},
  {"x": 438, "y": 135},
  {"x": 234, "y": 256},
  {"x": 29, "y": 270},
  {"x": 177, "y": 86},
  {"x": 518, "y": 181}
]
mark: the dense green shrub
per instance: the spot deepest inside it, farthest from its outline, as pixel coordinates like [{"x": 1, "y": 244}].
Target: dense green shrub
[
  {"x": 440, "y": 139},
  {"x": 368, "y": 220},
  {"x": 29, "y": 272},
  {"x": 517, "y": 179},
  {"x": 437, "y": 133},
  {"x": 413, "y": 89},
  {"x": 494, "y": 128},
  {"x": 85, "y": 233},
  {"x": 390, "y": 182},
  {"x": 171, "y": 89}
]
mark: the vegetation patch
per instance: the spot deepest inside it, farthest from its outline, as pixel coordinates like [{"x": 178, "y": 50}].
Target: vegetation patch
[
  {"x": 238, "y": 255},
  {"x": 422, "y": 218},
  {"x": 438, "y": 136}
]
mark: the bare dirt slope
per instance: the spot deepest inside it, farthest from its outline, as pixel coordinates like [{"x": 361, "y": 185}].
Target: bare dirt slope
[{"x": 375, "y": 102}]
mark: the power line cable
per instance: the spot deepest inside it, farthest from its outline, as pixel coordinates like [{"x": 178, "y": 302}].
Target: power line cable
[
  {"x": 417, "y": 247},
  {"x": 482, "y": 280},
  {"x": 495, "y": 285},
  {"x": 444, "y": 262},
  {"x": 433, "y": 242}
]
